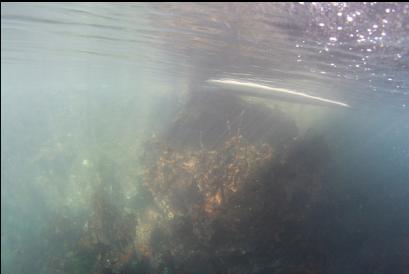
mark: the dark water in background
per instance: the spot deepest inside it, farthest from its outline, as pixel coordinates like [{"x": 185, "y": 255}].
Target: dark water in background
[{"x": 83, "y": 85}]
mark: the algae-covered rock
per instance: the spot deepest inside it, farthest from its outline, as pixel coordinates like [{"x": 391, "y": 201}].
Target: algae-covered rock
[
  {"x": 208, "y": 119},
  {"x": 231, "y": 185}
]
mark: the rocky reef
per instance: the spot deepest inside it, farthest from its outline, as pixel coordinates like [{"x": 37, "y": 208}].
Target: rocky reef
[
  {"x": 228, "y": 187},
  {"x": 233, "y": 187}
]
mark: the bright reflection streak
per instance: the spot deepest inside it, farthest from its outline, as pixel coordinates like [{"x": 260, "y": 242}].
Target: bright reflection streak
[{"x": 259, "y": 91}]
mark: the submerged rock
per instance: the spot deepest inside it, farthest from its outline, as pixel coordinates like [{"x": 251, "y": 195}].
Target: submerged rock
[
  {"x": 208, "y": 119},
  {"x": 233, "y": 189}
]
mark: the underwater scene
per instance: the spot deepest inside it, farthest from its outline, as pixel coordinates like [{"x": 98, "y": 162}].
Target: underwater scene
[{"x": 205, "y": 138}]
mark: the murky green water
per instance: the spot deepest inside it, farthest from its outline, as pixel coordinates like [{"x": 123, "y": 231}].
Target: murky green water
[{"x": 119, "y": 156}]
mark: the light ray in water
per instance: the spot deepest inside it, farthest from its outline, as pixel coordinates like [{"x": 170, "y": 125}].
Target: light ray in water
[{"x": 257, "y": 90}]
